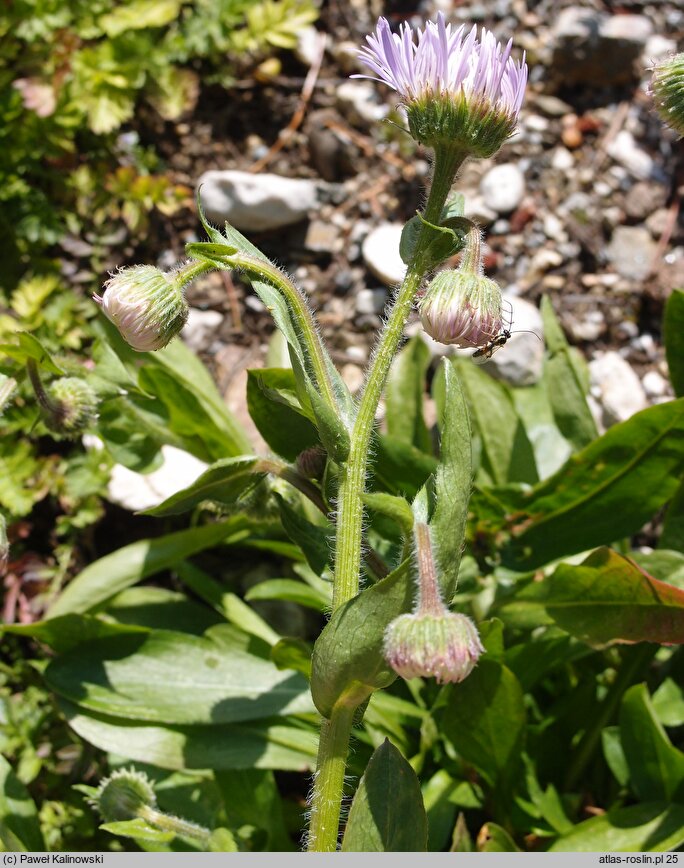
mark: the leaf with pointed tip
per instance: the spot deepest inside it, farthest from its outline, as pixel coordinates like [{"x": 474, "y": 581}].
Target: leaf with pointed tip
[{"x": 387, "y": 814}]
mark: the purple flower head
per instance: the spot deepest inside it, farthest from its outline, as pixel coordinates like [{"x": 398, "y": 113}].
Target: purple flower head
[{"x": 457, "y": 89}]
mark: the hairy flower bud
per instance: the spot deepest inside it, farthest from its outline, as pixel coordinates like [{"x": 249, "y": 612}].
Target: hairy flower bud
[
  {"x": 124, "y": 795},
  {"x": 71, "y": 406},
  {"x": 311, "y": 462},
  {"x": 146, "y": 304},
  {"x": 667, "y": 88},
  {"x": 443, "y": 646},
  {"x": 459, "y": 91}
]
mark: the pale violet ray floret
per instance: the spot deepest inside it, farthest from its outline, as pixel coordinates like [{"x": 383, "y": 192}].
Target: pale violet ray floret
[{"x": 444, "y": 61}]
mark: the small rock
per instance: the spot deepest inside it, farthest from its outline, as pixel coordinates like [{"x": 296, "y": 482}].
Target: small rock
[
  {"x": 624, "y": 150},
  {"x": 503, "y": 188},
  {"x": 591, "y": 48},
  {"x": 590, "y": 328},
  {"x": 658, "y": 48},
  {"x": 256, "y": 203},
  {"x": 631, "y": 251},
  {"x": 200, "y": 328},
  {"x": 137, "y": 491},
  {"x": 521, "y": 360},
  {"x": 357, "y": 100},
  {"x": 352, "y": 376},
  {"x": 658, "y": 222},
  {"x": 308, "y": 45},
  {"x": 655, "y": 385},
  {"x": 371, "y": 301},
  {"x": 562, "y": 159},
  {"x": 616, "y": 388},
  {"x": 380, "y": 252},
  {"x": 323, "y": 237},
  {"x": 643, "y": 199}
]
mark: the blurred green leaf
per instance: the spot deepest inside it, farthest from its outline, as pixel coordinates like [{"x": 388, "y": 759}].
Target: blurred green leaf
[
  {"x": 315, "y": 540},
  {"x": 259, "y": 744},
  {"x": 673, "y": 335},
  {"x": 289, "y": 589},
  {"x": 563, "y": 384},
  {"x": 604, "y": 493},
  {"x": 19, "y": 826},
  {"x": 29, "y": 347},
  {"x": 668, "y": 703},
  {"x": 138, "y": 829},
  {"x": 167, "y": 677},
  {"x": 404, "y": 396},
  {"x": 656, "y": 767},
  {"x": 607, "y": 598},
  {"x": 494, "y": 839},
  {"x": 400, "y": 468},
  {"x": 64, "y": 632},
  {"x": 485, "y": 721},
  {"x": 672, "y": 536},
  {"x": 650, "y": 827},
  {"x": 507, "y": 453},
  {"x": 160, "y": 609},
  {"x": 140, "y": 14},
  {"x": 251, "y": 798},
  {"x": 274, "y": 407},
  {"x": 225, "y": 482},
  {"x": 131, "y": 564},
  {"x": 387, "y": 814}
]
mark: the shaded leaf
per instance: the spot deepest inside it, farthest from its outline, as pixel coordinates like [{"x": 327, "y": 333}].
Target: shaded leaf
[
  {"x": 379, "y": 823},
  {"x": 673, "y": 335},
  {"x": 274, "y": 407},
  {"x": 650, "y": 827},
  {"x": 19, "y": 826},
  {"x": 291, "y": 590},
  {"x": 404, "y": 396}
]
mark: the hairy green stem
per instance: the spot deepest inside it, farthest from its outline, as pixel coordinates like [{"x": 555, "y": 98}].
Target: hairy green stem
[
  {"x": 329, "y": 781},
  {"x": 336, "y": 732},
  {"x": 353, "y": 474},
  {"x": 169, "y": 823},
  {"x": 303, "y": 316}
]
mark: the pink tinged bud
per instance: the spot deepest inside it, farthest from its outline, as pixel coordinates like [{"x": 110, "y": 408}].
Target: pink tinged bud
[
  {"x": 462, "y": 308},
  {"x": 146, "y": 305},
  {"x": 460, "y": 91},
  {"x": 445, "y": 646}
]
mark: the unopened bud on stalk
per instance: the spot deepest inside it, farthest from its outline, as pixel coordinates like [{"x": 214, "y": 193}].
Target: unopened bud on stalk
[
  {"x": 311, "y": 462},
  {"x": 124, "y": 795},
  {"x": 667, "y": 88},
  {"x": 73, "y": 406},
  {"x": 462, "y": 306},
  {"x": 432, "y": 642},
  {"x": 148, "y": 305}
]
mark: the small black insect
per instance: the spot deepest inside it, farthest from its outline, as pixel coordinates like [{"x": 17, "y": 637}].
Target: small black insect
[{"x": 488, "y": 350}]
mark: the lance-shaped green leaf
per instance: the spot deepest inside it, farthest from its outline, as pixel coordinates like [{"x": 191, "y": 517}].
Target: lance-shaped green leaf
[
  {"x": 604, "y": 493},
  {"x": 290, "y": 590},
  {"x": 608, "y": 598},
  {"x": 275, "y": 410},
  {"x": 507, "y": 454},
  {"x": 400, "y": 468},
  {"x": 348, "y": 663},
  {"x": 168, "y": 677},
  {"x": 387, "y": 814},
  {"x": 67, "y": 631},
  {"x": 453, "y": 483},
  {"x": 19, "y": 826},
  {"x": 673, "y": 334},
  {"x": 563, "y": 384},
  {"x": 485, "y": 721},
  {"x": 656, "y": 767},
  {"x": 404, "y": 396},
  {"x": 652, "y": 827},
  {"x": 269, "y": 744},
  {"x": 131, "y": 564},
  {"x": 224, "y": 482},
  {"x": 314, "y": 540}
]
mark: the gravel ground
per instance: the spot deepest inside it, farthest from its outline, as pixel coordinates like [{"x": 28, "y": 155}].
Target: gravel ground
[{"x": 582, "y": 204}]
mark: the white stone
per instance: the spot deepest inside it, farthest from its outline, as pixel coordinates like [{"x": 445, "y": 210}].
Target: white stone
[
  {"x": 616, "y": 388},
  {"x": 357, "y": 100},
  {"x": 256, "y": 203},
  {"x": 307, "y": 50},
  {"x": 520, "y": 361},
  {"x": 631, "y": 251},
  {"x": 200, "y": 328},
  {"x": 562, "y": 159},
  {"x": 503, "y": 187},
  {"x": 371, "y": 301},
  {"x": 380, "y": 252},
  {"x": 655, "y": 385},
  {"x": 624, "y": 150},
  {"x": 628, "y": 28},
  {"x": 138, "y": 491},
  {"x": 659, "y": 48}
]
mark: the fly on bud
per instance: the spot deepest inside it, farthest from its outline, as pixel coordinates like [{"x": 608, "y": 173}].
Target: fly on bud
[
  {"x": 147, "y": 305},
  {"x": 460, "y": 91}
]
